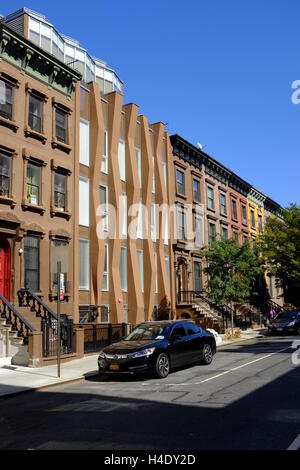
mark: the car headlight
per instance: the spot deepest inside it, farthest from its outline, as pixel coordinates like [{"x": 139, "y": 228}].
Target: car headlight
[
  {"x": 292, "y": 323},
  {"x": 143, "y": 353},
  {"x": 102, "y": 355}
]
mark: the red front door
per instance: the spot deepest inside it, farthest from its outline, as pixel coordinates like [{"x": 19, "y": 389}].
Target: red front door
[{"x": 5, "y": 268}]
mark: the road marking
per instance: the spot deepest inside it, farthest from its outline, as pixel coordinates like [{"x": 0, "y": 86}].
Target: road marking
[
  {"x": 231, "y": 370},
  {"x": 295, "y": 444}
]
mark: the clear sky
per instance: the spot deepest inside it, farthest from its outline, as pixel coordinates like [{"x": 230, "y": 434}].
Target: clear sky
[{"x": 218, "y": 72}]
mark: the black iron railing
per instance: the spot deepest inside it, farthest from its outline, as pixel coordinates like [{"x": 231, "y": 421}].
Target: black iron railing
[
  {"x": 15, "y": 319},
  {"x": 99, "y": 335},
  {"x": 29, "y": 299}
]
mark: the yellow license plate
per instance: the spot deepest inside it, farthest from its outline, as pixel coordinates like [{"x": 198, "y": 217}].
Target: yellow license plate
[{"x": 114, "y": 367}]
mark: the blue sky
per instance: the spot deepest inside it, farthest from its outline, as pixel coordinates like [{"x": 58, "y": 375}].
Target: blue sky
[{"x": 218, "y": 72}]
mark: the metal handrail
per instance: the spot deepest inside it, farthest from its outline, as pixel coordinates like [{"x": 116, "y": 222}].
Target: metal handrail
[
  {"x": 19, "y": 321},
  {"x": 29, "y": 293}
]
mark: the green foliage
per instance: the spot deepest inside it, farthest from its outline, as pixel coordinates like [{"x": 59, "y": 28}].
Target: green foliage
[
  {"x": 280, "y": 246},
  {"x": 231, "y": 270}
]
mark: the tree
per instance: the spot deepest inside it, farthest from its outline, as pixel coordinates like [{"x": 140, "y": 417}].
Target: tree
[
  {"x": 280, "y": 245},
  {"x": 232, "y": 270}
]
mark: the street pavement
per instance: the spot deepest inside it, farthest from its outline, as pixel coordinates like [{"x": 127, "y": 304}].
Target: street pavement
[{"x": 247, "y": 399}]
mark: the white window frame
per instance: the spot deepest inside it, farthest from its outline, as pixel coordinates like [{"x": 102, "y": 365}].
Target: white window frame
[
  {"x": 84, "y": 150},
  {"x": 104, "y": 163},
  {"x": 85, "y": 287},
  {"x": 84, "y": 211},
  {"x": 140, "y": 254},
  {"x": 106, "y": 272},
  {"x": 105, "y": 213},
  {"x": 122, "y": 160},
  {"x": 124, "y": 249}
]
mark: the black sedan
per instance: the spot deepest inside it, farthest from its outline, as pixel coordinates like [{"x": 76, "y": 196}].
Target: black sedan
[
  {"x": 285, "y": 322},
  {"x": 158, "y": 347}
]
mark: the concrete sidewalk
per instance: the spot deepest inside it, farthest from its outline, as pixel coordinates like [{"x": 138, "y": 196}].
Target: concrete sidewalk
[{"x": 18, "y": 379}]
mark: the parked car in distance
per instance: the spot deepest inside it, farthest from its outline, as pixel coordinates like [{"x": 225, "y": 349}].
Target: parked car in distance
[
  {"x": 158, "y": 347},
  {"x": 285, "y": 322}
]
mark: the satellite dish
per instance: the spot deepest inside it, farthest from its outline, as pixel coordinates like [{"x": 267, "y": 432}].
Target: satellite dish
[{"x": 200, "y": 146}]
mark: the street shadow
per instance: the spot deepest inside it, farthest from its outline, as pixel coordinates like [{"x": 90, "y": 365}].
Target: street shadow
[{"x": 75, "y": 417}]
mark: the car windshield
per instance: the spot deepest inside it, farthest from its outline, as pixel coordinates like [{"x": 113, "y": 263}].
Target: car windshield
[
  {"x": 145, "y": 332},
  {"x": 286, "y": 316}
]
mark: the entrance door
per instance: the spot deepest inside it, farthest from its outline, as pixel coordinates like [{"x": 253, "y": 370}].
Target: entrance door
[{"x": 5, "y": 268}]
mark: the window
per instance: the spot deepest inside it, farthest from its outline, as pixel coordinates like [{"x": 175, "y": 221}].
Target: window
[
  {"x": 180, "y": 182},
  {"x": 155, "y": 267},
  {"x": 223, "y": 204},
  {"x": 260, "y": 224},
  {"x": 35, "y": 113},
  {"x": 178, "y": 332},
  {"x": 5, "y": 171},
  {"x": 105, "y": 278},
  {"x": 61, "y": 120},
  {"x": 139, "y": 164},
  {"x": 210, "y": 198},
  {"x": 59, "y": 252},
  {"x": 193, "y": 329},
  {"x": 32, "y": 262},
  {"x": 6, "y": 100},
  {"x": 153, "y": 221},
  {"x": 197, "y": 277},
  {"x": 123, "y": 269},
  {"x": 234, "y": 211},
  {"x": 33, "y": 183},
  {"x": 224, "y": 232},
  {"x": 235, "y": 236},
  {"x": 252, "y": 219},
  {"x": 121, "y": 155},
  {"x": 166, "y": 237},
  {"x": 84, "y": 202},
  {"x": 212, "y": 233},
  {"x": 84, "y": 142},
  {"x": 181, "y": 225},
  {"x": 84, "y": 264},
  {"x": 164, "y": 167},
  {"x": 124, "y": 227},
  {"x": 140, "y": 228},
  {"x": 244, "y": 215},
  {"x": 60, "y": 184},
  {"x": 196, "y": 189},
  {"x": 167, "y": 263},
  {"x": 104, "y": 206},
  {"x": 153, "y": 182},
  {"x": 141, "y": 267},
  {"x": 198, "y": 232},
  {"x": 245, "y": 240},
  {"x": 104, "y": 313},
  {"x": 104, "y": 164}
]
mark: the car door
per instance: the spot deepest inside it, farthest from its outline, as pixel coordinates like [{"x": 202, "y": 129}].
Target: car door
[
  {"x": 178, "y": 347},
  {"x": 195, "y": 342}
]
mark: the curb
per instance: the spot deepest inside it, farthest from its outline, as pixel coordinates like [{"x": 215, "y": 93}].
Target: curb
[
  {"x": 240, "y": 340},
  {"x": 50, "y": 385}
]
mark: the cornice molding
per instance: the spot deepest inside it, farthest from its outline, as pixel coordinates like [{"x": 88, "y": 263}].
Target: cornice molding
[{"x": 35, "y": 62}]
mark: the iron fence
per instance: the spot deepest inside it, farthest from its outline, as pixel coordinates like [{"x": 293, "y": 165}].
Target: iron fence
[{"x": 99, "y": 335}]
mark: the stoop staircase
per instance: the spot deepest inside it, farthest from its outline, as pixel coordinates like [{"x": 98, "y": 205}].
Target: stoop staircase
[
  {"x": 31, "y": 316},
  {"x": 14, "y": 334}
]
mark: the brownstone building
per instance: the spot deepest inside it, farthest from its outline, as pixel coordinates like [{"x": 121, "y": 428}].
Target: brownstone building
[{"x": 37, "y": 163}]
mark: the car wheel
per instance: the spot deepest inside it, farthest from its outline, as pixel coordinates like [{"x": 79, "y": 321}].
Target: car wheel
[
  {"x": 207, "y": 354},
  {"x": 162, "y": 366}
]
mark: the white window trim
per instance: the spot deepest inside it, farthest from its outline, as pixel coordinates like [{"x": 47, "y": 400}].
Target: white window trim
[
  {"x": 104, "y": 162},
  {"x": 106, "y": 273}
]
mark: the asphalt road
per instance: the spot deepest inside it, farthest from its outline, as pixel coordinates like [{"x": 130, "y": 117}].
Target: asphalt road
[{"x": 247, "y": 399}]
